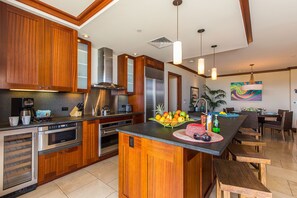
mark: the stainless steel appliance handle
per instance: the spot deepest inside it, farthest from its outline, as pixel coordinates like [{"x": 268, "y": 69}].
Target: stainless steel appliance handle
[
  {"x": 105, "y": 132},
  {"x": 60, "y": 130}
]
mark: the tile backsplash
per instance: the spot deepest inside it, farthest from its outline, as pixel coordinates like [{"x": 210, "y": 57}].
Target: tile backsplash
[{"x": 42, "y": 101}]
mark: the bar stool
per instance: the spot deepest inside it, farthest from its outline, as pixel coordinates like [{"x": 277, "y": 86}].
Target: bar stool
[
  {"x": 237, "y": 177},
  {"x": 244, "y": 153},
  {"x": 250, "y": 141}
]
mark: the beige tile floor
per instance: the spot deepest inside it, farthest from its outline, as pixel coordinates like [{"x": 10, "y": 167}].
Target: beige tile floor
[{"x": 101, "y": 179}]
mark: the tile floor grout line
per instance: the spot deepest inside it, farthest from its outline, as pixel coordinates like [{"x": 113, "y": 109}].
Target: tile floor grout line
[{"x": 290, "y": 188}]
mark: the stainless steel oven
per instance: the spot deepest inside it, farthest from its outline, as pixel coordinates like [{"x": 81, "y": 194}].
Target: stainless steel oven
[
  {"x": 108, "y": 136},
  {"x": 58, "y": 136}
]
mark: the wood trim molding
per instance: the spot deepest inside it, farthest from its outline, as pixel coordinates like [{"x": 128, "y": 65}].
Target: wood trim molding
[
  {"x": 179, "y": 89},
  {"x": 258, "y": 72},
  {"x": 246, "y": 17},
  {"x": 188, "y": 69},
  {"x": 90, "y": 11},
  {"x": 235, "y": 74}
]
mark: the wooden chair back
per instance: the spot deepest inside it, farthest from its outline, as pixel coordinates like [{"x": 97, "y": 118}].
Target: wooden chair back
[
  {"x": 251, "y": 121},
  {"x": 229, "y": 110},
  {"x": 280, "y": 114},
  {"x": 287, "y": 120}
]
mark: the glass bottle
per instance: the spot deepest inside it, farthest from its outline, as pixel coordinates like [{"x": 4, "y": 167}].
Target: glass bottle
[{"x": 216, "y": 125}]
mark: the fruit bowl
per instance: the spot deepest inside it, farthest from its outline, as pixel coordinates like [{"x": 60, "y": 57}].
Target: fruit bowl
[{"x": 169, "y": 124}]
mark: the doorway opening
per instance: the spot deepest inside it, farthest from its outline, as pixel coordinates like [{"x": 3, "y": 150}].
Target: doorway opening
[{"x": 174, "y": 91}]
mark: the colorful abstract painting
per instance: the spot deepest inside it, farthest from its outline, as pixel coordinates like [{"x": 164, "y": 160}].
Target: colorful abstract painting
[{"x": 241, "y": 95}]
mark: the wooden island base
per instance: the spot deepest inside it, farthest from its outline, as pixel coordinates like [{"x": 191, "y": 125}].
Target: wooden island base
[{"x": 151, "y": 169}]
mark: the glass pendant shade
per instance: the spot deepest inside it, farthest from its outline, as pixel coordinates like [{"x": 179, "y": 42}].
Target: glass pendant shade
[
  {"x": 252, "y": 83},
  {"x": 214, "y": 74},
  {"x": 201, "y": 66},
  {"x": 177, "y": 52}
]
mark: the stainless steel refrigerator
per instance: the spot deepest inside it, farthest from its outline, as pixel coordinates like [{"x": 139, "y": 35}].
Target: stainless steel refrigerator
[{"x": 154, "y": 90}]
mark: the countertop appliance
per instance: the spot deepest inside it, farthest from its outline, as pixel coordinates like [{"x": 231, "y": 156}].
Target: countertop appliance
[
  {"x": 59, "y": 136},
  {"x": 129, "y": 108},
  {"x": 18, "y": 161},
  {"x": 154, "y": 91},
  {"x": 23, "y": 107},
  {"x": 108, "y": 136}
]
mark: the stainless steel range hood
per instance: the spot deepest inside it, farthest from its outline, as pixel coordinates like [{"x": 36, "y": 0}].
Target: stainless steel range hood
[{"x": 105, "y": 68}]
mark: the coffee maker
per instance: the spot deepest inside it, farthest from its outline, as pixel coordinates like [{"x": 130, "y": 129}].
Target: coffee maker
[{"x": 23, "y": 107}]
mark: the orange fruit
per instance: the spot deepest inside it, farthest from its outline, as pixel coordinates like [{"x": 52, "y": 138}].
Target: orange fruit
[
  {"x": 158, "y": 117},
  {"x": 176, "y": 116},
  {"x": 177, "y": 112}
]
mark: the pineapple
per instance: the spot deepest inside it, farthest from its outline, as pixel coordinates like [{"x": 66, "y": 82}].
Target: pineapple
[{"x": 159, "y": 109}]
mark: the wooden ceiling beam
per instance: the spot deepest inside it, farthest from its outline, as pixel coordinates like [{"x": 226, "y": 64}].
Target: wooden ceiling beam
[
  {"x": 246, "y": 17},
  {"x": 90, "y": 11}
]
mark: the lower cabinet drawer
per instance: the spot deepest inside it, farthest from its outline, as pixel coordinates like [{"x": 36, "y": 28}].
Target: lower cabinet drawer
[{"x": 53, "y": 165}]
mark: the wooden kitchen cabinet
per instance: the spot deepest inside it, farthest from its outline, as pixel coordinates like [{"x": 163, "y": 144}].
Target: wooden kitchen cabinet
[
  {"x": 149, "y": 168},
  {"x": 49, "y": 167},
  {"x": 60, "y": 57},
  {"x": 126, "y": 72},
  {"x": 21, "y": 55},
  {"x": 90, "y": 145},
  {"x": 71, "y": 158},
  {"x": 130, "y": 167},
  {"x": 56, "y": 164},
  {"x": 35, "y": 53},
  {"x": 83, "y": 66},
  {"x": 150, "y": 62}
]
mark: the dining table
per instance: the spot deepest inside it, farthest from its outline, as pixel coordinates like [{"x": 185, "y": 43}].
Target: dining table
[{"x": 263, "y": 117}]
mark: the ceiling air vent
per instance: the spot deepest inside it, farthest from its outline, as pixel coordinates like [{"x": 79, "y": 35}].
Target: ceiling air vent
[{"x": 160, "y": 42}]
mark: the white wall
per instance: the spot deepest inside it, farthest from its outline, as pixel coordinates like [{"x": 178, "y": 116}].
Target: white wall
[
  {"x": 294, "y": 95},
  {"x": 275, "y": 95},
  {"x": 188, "y": 79},
  {"x": 172, "y": 93}
]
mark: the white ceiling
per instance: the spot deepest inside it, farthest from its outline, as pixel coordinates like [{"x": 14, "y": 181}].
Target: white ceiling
[
  {"x": 128, "y": 25},
  {"x": 73, "y": 7}
]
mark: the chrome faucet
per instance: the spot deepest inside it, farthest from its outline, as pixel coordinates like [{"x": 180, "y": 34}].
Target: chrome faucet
[{"x": 205, "y": 104}]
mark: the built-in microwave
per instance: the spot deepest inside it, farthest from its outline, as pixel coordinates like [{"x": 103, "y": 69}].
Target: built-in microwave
[{"x": 58, "y": 136}]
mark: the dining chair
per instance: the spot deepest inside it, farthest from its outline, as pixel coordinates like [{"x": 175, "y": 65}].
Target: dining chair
[
  {"x": 230, "y": 110},
  {"x": 250, "y": 126},
  {"x": 284, "y": 125},
  {"x": 280, "y": 114}
]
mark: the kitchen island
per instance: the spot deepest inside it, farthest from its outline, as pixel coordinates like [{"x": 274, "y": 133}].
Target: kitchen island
[{"x": 153, "y": 163}]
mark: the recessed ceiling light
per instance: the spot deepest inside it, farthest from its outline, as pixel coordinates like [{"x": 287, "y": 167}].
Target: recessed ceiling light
[
  {"x": 86, "y": 36},
  {"x": 191, "y": 61},
  {"x": 135, "y": 54}
]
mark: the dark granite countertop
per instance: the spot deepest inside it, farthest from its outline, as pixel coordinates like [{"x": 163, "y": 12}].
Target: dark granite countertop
[
  {"x": 155, "y": 131},
  {"x": 58, "y": 120}
]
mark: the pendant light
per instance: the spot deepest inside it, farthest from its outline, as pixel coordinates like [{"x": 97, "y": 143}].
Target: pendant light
[
  {"x": 252, "y": 84},
  {"x": 200, "y": 66},
  {"x": 214, "y": 73},
  {"x": 177, "y": 45}
]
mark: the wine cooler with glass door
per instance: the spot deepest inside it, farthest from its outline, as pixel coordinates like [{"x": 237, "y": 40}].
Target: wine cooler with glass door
[{"x": 18, "y": 161}]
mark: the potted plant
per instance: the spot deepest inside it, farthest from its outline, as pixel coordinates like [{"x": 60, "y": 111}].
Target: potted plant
[{"x": 214, "y": 98}]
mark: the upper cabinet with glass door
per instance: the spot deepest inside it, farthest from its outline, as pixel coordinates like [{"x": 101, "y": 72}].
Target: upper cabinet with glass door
[
  {"x": 83, "y": 66},
  {"x": 126, "y": 68}
]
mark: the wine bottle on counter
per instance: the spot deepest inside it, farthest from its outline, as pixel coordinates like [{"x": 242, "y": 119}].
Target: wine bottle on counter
[{"x": 216, "y": 125}]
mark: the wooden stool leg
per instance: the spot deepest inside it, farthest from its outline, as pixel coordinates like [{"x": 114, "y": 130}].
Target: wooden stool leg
[
  {"x": 219, "y": 191},
  {"x": 230, "y": 156},
  {"x": 262, "y": 173},
  {"x": 226, "y": 194}
]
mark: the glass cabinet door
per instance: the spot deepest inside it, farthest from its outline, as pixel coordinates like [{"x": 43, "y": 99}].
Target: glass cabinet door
[
  {"x": 82, "y": 70},
  {"x": 130, "y": 75}
]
